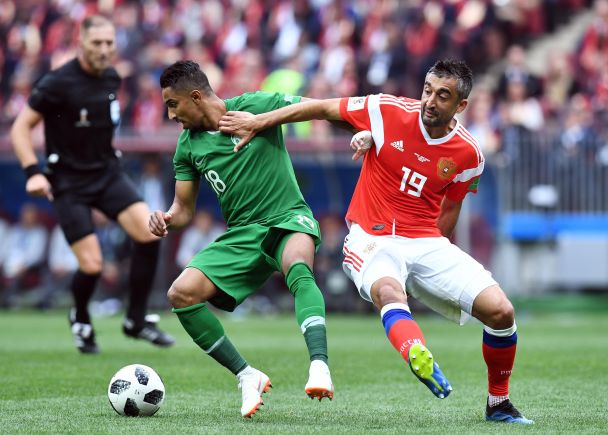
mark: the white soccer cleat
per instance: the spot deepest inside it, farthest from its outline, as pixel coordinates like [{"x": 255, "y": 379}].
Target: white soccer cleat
[
  {"x": 319, "y": 383},
  {"x": 252, "y": 383}
]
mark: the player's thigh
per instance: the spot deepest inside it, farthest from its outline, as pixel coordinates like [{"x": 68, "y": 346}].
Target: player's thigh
[
  {"x": 74, "y": 216},
  {"x": 235, "y": 264},
  {"x": 88, "y": 253},
  {"x": 134, "y": 220},
  {"x": 291, "y": 238},
  {"x": 369, "y": 259},
  {"x": 446, "y": 278},
  {"x": 299, "y": 248}
]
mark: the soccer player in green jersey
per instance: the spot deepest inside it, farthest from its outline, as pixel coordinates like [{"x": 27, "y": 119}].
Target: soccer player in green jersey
[{"x": 270, "y": 227}]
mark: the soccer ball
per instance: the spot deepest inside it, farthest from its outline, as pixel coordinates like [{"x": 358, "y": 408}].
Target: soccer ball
[{"x": 136, "y": 390}]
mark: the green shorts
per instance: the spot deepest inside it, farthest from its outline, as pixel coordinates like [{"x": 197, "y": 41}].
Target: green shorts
[{"x": 244, "y": 257}]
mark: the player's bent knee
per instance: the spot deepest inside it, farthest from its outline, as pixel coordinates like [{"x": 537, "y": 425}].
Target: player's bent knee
[
  {"x": 180, "y": 296},
  {"x": 502, "y": 316},
  {"x": 90, "y": 266},
  {"x": 388, "y": 293},
  {"x": 176, "y": 298}
]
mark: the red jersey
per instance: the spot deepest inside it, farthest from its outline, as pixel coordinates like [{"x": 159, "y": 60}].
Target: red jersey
[{"x": 406, "y": 174}]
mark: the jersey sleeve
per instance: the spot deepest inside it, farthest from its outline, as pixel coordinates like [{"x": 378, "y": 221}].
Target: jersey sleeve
[
  {"x": 355, "y": 111},
  {"x": 262, "y": 102},
  {"x": 45, "y": 95},
  {"x": 465, "y": 182},
  {"x": 182, "y": 163}
]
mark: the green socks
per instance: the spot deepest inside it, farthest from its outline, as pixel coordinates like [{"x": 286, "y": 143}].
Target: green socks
[
  {"x": 310, "y": 309},
  {"x": 207, "y": 332}
]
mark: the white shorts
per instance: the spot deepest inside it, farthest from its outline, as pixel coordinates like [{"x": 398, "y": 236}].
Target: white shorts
[{"x": 431, "y": 269}]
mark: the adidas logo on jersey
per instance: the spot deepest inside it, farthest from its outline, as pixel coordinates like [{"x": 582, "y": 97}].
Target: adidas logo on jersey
[{"x": 398, "y": 144}]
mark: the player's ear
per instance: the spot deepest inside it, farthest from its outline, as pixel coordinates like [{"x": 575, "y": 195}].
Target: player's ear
[
  {"x": 196, "y": 95},
  {"x": 462, "y": 104}
]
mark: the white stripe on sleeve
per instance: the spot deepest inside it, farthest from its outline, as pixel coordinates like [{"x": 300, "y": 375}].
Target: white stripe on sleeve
[{"x": 375, "y": 117}]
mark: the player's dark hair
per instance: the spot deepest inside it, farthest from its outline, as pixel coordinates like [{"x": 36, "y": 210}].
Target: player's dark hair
[
  {"x": 94, "y": 21},
  {"x": 457, "y": 69},
  {"x": 185, "y": 75}
]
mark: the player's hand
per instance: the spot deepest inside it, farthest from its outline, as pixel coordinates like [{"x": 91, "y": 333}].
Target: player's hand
[
  {"x": 159, "y": 223},
  {"x": 241, "y": 124},
  {"x": 361, "y": 143},
  {"x": 38, "y": 185}
]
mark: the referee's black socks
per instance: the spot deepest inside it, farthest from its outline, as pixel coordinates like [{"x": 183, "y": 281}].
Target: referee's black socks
[
  {"x": 83, "y": 286},
  {"x": 144, "y": 260}
]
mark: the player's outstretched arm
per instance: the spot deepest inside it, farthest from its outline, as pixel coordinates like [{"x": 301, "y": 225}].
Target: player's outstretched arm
[
  {"x": 246, "y": 125},
  {"x": 448, "y": 216},
  {"x": 181, "y": 211},
  {"x": 21, "y": 137}
]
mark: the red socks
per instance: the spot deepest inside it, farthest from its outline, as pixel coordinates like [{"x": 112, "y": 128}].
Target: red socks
[
  {"x": 499, "y": 354},
  {"x": 400, "y": 327}
]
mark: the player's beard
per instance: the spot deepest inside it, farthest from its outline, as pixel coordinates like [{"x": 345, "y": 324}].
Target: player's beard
[{"x": 438, "y": 121}]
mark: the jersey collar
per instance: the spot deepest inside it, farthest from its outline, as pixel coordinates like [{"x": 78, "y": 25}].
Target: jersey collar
[{"x": 439, "y": 140}]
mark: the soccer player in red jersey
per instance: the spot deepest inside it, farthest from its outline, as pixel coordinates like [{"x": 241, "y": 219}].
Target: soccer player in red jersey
[{"x": 420, "y": 166}]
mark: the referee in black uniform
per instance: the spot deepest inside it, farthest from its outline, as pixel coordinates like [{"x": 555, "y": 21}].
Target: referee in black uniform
[{"x": 78, "y": 103}]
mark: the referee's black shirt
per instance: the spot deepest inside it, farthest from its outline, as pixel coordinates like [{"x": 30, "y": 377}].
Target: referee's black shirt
[{"x": 80, "y": 114}]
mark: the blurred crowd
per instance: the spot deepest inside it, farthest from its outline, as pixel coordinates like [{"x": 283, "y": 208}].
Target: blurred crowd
[
  {"x": 541, "y": 128},
  {"x": 319, "y": 48},
  {"x": 322, "y": 48}
]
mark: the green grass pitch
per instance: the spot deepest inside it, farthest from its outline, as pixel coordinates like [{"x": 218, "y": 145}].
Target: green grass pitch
[{"x": 560, "y": 378}]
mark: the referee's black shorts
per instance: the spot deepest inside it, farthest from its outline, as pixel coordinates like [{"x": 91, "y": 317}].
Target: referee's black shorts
[{"x": 111, "y": 191}]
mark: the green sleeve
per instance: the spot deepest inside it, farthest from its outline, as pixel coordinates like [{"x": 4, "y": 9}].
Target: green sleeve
[
  {"x": 262, "y": 102},
  {"x": 182, "y": 160}
]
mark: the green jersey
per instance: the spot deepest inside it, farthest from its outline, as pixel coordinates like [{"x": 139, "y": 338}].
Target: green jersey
[{"x": 253, "y": 185}]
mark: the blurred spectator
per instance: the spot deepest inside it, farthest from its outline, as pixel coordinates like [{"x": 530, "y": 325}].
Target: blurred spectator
[
  {"x": 575, "y": 156},
  {"x": 148, "y": 107},
  {"x": 558, "y": 83},
  {"x": 152, "y": 183},
  {"x": 198, "y": 235},
  {"x": 519, "y": 109},
  {"x": 288, "y": 80},
  {"x": 19, "y": 93},
  {"x": 481, "y": 120},
  {"x": 61, "y": 265},
  {"x": 516, "y": 71},
  {"x": 593, "y": 52},
  {"x": 25, "y": 250}
]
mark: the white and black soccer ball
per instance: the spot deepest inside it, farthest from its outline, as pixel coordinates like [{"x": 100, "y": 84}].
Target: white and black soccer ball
[{"x": 136, "y": 390}]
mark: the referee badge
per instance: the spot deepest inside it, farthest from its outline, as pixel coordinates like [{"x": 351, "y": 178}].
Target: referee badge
[{"x": 83, "y": 121}]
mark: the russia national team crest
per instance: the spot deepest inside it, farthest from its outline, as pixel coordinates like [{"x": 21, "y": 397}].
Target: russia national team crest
[{"x": 446, "y": 167}]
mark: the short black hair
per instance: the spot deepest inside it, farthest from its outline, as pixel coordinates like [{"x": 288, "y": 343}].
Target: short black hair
[
  {"x": 185, "y": 75},
  {"x": 457, "y": 69},
  {"x": 94, "y": 21}
]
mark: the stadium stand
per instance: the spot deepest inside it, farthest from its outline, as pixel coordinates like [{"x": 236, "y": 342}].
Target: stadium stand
[{"x": 539, "y": 114}]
